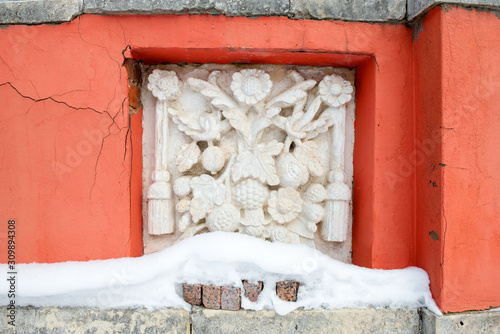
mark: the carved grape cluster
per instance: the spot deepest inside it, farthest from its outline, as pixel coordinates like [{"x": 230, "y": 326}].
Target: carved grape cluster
[{"x": 250, "y": 194}]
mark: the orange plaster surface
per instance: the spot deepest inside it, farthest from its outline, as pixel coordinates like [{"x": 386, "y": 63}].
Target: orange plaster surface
[
  {"x": 78, "y": 197},
  {"x": 458, "y": 111},
  {"x": 469, "y": 182}
]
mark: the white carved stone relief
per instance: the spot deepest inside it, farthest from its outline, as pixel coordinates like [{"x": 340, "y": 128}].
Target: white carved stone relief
[{"x": 257, "y": 150}]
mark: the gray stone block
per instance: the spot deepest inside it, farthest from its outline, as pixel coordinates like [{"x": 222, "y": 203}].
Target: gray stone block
[
  {"x": 39, "y": 11},
  {"x": 381, "y": 321},
  {"x": 419, "y": 7},
  {"x": 355, "y": 10},
  {"x": 461, "y": 323},
  {"x": 229, "y": 8},
  {"x": 83, "y": 320}
]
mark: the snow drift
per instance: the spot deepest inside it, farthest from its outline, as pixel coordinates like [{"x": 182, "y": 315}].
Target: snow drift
[{"x": 155, "y": 280}]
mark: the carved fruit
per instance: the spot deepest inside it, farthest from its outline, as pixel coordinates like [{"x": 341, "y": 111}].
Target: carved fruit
[
  {"x": 224, "y": 218},
  {"x": 213, "y": 159},
  {"x": 292, "y": 173},
  {"x": 279, "y": 234},
  {"x": 250, "y": 194},
  {"x": 315, "y": 193},
  {"x": 182, "y": 187}
]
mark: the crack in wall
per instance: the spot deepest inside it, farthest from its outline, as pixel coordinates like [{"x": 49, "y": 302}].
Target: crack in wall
[{"x": 104, "y": 112}]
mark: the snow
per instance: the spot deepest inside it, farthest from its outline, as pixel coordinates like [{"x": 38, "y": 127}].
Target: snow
[{"x": 154, "y": 281}]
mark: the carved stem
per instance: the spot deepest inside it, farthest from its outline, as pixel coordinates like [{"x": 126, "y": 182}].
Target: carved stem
[
  {"x": 338, "y": 140},
  {"x": 160, "y": 204},
  {"x": 310, "y": 113},
  {"x": 337, "y": 208},
  {"x": 161, "y": 135}
]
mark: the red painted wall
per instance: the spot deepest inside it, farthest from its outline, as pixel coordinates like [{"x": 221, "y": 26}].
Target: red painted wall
[
  {"x": 71, "y": 154},
  {"x": 457, "y": 57}
]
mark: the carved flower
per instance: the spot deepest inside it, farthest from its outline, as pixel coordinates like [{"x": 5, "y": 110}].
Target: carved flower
[
  {"x": 164, "y": 85},
  {"x": 279, "y": 233},
  {"x": 224, "y": 218},
  {"x": 251, "y": 86},
  {"x": 284, "y": 205},
  {"x": 335, "y": 91}
]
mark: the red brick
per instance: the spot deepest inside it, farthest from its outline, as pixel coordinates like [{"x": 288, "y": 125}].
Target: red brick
[
  {"x": 192, "y": 293},
  {"x": 134, "y": 96},
  {"x": 211, "y": 296},
  {"x": 230, "y": 298},
  {"x": 287, "y": 290},
  {"x": 133, "y": 70},
  {"x": 252, "y": 291}
]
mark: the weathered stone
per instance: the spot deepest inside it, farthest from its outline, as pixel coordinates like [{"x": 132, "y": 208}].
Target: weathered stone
[
  {"x": 355, "y": 10},
  {"x": 230, "y": 8},
  {"x": 49, "y": 11},
  {"x": 466, "y": 322},
  {"x": 38, "y": 11},
  {"x": 288, "y": 213},
  {"x": 418, "y": 7},
  {"x": 381, "y": 321},
  {"x": 211, "y": 296},
  {"x": 230, "y": 298},
  {"x": 83, "y": 320},
  {"x": 192, "y": 293},
  {"x": 287, "y": 290},
  {"x": 252, "y": 291}
]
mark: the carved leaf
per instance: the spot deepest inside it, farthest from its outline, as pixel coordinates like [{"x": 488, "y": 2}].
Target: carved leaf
[
  {"x": 258, "y": 163},
  {"x": 184, "y": 222},
  {"x": 293, "y": 94},
  {"x": 270, "y": 113},
  {"x": 324, "y": 121},
  {"x": 307, "y": 154},
  {"x": 185, "y": 121},
  {"x": 238, "y": 120},
  {"x": 257, "y": 127},
  {"x": 188, "y": 155},
  {"x": 207, "y": 192},
  {"x": 191, "y": 231},
  {"x": 204, "y": 126},
  {"x": 218, "y": 97}
]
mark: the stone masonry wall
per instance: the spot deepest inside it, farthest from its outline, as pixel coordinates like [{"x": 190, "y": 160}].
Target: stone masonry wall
[{"x": 54, "y": 11}]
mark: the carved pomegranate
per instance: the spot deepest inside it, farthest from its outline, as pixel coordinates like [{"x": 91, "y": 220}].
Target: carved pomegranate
[
  {"x": 292, "y": 173},
  {"x": 213, "y": 159}
]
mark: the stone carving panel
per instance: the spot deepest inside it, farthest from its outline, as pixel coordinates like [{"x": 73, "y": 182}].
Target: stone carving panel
[{"x": 256, "y": 150}]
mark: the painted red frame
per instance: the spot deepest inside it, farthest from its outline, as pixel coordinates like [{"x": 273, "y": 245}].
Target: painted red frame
[{"x": 383, "y": 231}]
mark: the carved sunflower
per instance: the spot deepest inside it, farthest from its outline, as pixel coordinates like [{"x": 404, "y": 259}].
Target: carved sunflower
[
  {"x": 251, "y": 86},
  {"x": 284, "y": 205},
  {"x": 335, "y": 91},
  {"x": 164, "y": 85}
]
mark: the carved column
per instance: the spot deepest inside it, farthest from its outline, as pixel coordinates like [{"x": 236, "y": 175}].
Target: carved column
[
  {"x": 338, "y": 198},
  {"x": 165, "y": 87}
]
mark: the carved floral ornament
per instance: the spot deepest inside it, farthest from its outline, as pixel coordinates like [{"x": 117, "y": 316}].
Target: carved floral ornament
[{"x": 250, "y": 160}]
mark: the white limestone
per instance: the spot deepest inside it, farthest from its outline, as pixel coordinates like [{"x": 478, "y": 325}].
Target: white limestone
[{"x": 259, "y": 150}]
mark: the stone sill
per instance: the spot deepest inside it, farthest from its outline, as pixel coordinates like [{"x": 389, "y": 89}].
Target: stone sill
[
  {"x": 391, "y": 11},
  {"x": 201, "y": 320}
]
